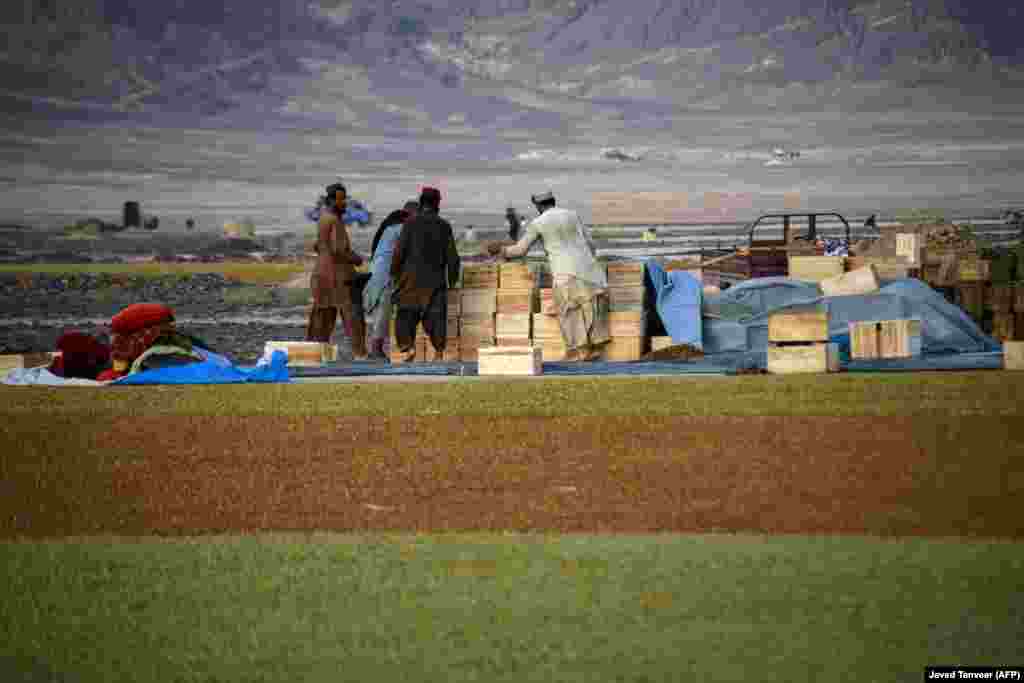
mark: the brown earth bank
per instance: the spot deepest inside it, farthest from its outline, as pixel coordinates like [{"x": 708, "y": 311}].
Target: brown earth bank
[{"x": 184, "y": 475}]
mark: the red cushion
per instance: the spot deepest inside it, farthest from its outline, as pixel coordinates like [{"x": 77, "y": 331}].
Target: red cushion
[
  {"x": 140, "y": 316},
  {"x": 81, "y": 343}
]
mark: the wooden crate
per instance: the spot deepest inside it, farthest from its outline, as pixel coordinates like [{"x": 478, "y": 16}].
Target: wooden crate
[
  {"x": 480, "y": 276},
  {"x": 477, "y": 302},
  {"x": 974, "y": 270},
  {"x": 469, "y": 354},
  {"x": 517, "y": 301},
  {"x": 552, "y": 350},
  {"x": 1000, "y": 298},
  {"x": 815, "y": 268},
  {"x": 453, "y": 328},
  {"x": 510, "y": 360},
  {"x": 899, "y": 338},
  {"x": 624, "y": 349},
  {"x": 303, "y": 353},
  {"x": 1018, "y": 298},
  {"x": 864, "y": 340},
  {"x": 1013, "y": 355},
  {"x": 478, "y": 326},
  {"x": 803, "y": 358},
  {"x": 627, "y": 296},
  {"x": 659, "y": 343},
  {"x": 515, "y": 277},
  {"x": 970, "y": 296},
  {"x": 452, "y": 351},
  {"x": 1004, "y": 326},
  {"x": 910, "y": 246},
  {"x": 20, "y": 361},
  {"x": 454, "y": 303},
  {"x": 518, "y": 325},
  {"x": 546, "y": 327},
  {"x": 513, "y": 341},
  {"x": 861, "y": 281},
  {"x": 810, "y": 326},
  {"x": 627, "y": 323},
  {"x": 547, "y": 301},
  {"x": 625, "y": 274}
]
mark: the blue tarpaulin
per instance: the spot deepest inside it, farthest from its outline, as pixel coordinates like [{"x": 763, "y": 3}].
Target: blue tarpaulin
[
  {"x": 678, "y": 297},
  {"x": 215, "y": 369}
]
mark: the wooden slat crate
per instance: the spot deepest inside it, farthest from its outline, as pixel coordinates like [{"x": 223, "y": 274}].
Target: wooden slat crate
[
  {"x": 626, "y": 323},
  {"x": 478, "y": 326},
  {"x": 864, "y": 341},
  {"x": 629, "y": 296},
  {"x": 552, "y": 350},
  {"x": 974, "y": 270},
  {"x": 624, "y": 348},
  {"x": 513, "y": 341},
  {"x": 1004, "y": 326},
  {"x": 304, "y": 354},
  {"x": 480, "y": 276},
  {"x": 510, "y": 360},
  {"x": 910, "y": 246},
  {"x": 1013, "y": 355},
  {"x": 899, "y": 338},
  {"x": 546, "y": 327},
  {"x": 1018, "y": 297},
  {"x": 815, "y": 268},
  {"x": 452, "y": 351},
  {"x": 475, "y": 302},
  {"x": 454, "y": 302},
  {"x": 1000, "y": 298},
  {"x": 515, "y": 276},
  {"x": 810, "y": 326},
  {"x": 469, "y": 354},
  {"x": 861, "y": 281},
  {"x": 517, "y": 301},
  {"x": 970, "y": 297},
  {"x": 454, "y": 328},
  {"x": 804, "y": 358},
  {"x": 659, "y": 343},
  {"x": 512, "y": 325},
  {"x": 625, "y": 274}
]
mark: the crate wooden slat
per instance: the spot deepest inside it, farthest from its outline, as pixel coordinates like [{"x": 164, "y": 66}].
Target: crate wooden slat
[
  {"x": 479, "y": 326},
  {"x": 625, "y": 273},
  {"x": 517, "y": 302},
  {"x": 303, "y": 353},
  {"x": 910, "y": 246},
  {"x": 1013, "y": 355},
  {"x": 624, "y": 349},
  {"x": 20, "y": 361},
  {"x": 864, "y": 340},
  {"x": 469, "y": 354},
  {"x": 513, "y": 341},
  {"x": 1004, "y": 326},
  {"x": 809, "y": 326},
  {"x": 626, "y": 323},
  {"x": 899, "y": 338},
  {"x": 861, "y": 281},
  {"x": 552, "y": 350},
  {"x": 1000, "y": 298},
  {"x": 815, "y": 268},
  {"x": 510, "y": 360},
  {"x": 974, "y": 270},
  {"x": 627, "y": 295},
  {"x": 546, "y": 327},
  {"x": 475, "y": 302},
  {"x": 512, "y": 325},
  {"x": 547, "y": 301},
  {"x": 659, "y": 343},
  {"x": 515, "y": 276},
  {"x": 453, "y": 328},
  {"x": 805, "y": 358},
  {"x": 452, "y": 351},
  {"x": 454, "y": 302},
  {"x": 1018, "y": 297},
  {"x": 480, "y": 276}
]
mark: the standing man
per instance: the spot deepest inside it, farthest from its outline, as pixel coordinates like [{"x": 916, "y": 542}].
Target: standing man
[
  {"x": 580, "y": 282},
  {"x": 378, "y": 292},
  {"x": 425, "y": 263},
  {"x": 334, "y": 275}
]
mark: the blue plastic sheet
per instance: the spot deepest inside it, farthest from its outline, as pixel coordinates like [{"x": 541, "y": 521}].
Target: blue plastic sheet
[
  {"x": 678, "y": 299},
  {"x": 215, "y": 369}
]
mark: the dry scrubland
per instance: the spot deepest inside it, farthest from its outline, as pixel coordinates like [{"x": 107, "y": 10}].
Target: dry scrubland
[{"x": 841, "y": 528}]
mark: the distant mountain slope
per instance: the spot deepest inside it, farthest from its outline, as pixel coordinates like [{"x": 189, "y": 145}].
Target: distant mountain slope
[{"x": 467, "y": 66}]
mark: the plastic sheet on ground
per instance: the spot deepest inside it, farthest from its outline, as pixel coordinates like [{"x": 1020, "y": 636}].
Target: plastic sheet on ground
[
  {"x": 42, "y": 377},
  {"x": 215, "y": 369}
]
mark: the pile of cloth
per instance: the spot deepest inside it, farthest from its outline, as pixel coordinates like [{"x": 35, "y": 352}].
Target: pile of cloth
[{"x": 144, "y": 337}]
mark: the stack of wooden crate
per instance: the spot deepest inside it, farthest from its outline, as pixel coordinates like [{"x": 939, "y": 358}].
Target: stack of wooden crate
[
  {"x": 972, "y": 276},
  {"x": 798, "y": 343},
  {"x": 1000, "y": 300},
  {"x": 517, "y": 300},
  {"x": 815, "y": 268},
  {"x": 885, "y": 339},
  {"x": 303, "y": 353},
  {"x": 479, "y": 304},
  {"x": 627, "y": 319},
  {"x": 453, "y": 343},
  {"x": 510, "y": 360},
  {"x": 547, "y": 334}
]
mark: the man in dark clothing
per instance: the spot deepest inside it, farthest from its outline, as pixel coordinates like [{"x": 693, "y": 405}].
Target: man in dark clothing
[
  {"x": 424, "y": 265},
  {"x": 395, "y": 217}
]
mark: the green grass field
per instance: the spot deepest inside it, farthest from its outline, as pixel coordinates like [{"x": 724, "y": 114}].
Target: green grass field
[{"x": 512, "y": 606}]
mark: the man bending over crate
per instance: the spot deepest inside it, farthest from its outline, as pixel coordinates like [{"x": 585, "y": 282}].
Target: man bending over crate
[{"x": 580, "y": 283}]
